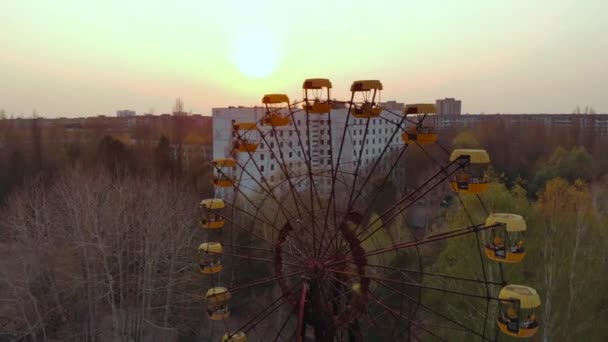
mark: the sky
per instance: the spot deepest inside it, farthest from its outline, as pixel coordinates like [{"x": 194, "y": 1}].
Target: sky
[{"x": 90, "y": 57}]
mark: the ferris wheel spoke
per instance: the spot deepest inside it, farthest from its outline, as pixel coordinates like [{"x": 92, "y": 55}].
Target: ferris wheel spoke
[
  {"x": 269, "y": 191},
  {"x": 400, "y": 205},
  {"x": 428, "y": 309},
  {"x": 283, "y": 167},
  {"x": 336, "y": 167},
  {"x": 263, "y": 281},
  {"x": 233, "y": 223},
  {"x": 376, "y": 163},
  {"x": 379, "y": 188},
  {"x": 398, "y": 115},
  {"x": 270, "y": 307},
  {"x": 447, "y": 276},
  {"x": 426, "y": 287},
  {"x": 410, "y": 322},
  {"x": 258, "y": 249},
  {"x": 413, "y": 243},
  {"x": 313, "y": 191},
  {"x": 280, "y": 332},
  {"x": 266, "y": 220}
]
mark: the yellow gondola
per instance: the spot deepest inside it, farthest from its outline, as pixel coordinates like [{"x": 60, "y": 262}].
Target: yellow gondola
[
  {"x": 224, "y": 172},
  {"x": 211, "y": 261},
  {"x": 218, "y": 299},
  {"x": 274, "y": 104},
  {"x": 235, "y": 337},
  {"x": 246, "y": 136},
  {"x": 471, "y": 178},
  {"x": 211, "y": 213},
  {"x": 507, "y": 247},
  {"x": 517, "y": 305},
  {"x": 366, "y": 108},
  {"x": 315, "y": 87},
  {"x": 420, "y": 134}
]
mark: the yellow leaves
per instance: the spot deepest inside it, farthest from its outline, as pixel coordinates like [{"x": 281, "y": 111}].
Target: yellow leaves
[{"x": 561, "y": 197}]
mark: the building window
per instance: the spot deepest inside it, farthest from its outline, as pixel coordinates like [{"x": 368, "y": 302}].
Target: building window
[
  {"x": 374, "y": 131},
  {"x": 299, "y": 123},
  {"x": 328, "y": 161},
  {"x": 290, "y": 154},
  {"x": 272, "y": 145},
  {"x": 271, "y": 167},
  {"x": 262, "y": 156},
  {"x": 290, "y": 133},
  {"x": 373, "y": 141},
  {"x": 321, "y": 152},
  {"x": 271, "y": 156},
  {"x": 262, "y": 168},
  {"x": 290, "y": 144},
  {"x": 272, "y": 133},
  {"x": 321, "y": 142},
  {"x": 329, "y": 152},
  {"x": 281, "y": 134},
  {"x": 366, "y": 151},
  {"x": 299, "y": 154},
  {"x": 261, "y": 145}
]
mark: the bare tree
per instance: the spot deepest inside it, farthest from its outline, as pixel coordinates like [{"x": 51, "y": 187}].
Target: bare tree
[{"x": 99, "y": 258}]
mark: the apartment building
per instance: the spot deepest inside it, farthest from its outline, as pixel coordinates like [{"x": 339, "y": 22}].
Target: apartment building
[{"x": 323, "y": 140}]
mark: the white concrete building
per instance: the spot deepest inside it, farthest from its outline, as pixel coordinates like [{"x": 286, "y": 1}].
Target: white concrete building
[
  {"x": 448, "y": 106},
  {"x": 125, "y": 113},
  {"x": 286, "y": 149}
]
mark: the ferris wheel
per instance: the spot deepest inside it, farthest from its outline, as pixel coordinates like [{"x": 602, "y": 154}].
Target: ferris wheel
[{"x": 305, "y": 238}]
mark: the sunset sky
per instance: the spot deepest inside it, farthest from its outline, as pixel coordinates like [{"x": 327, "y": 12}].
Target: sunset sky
[{"x": 86, "y": 57}]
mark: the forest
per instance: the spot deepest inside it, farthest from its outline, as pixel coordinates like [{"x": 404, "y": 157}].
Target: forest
[{"x": 99, "y": 237}]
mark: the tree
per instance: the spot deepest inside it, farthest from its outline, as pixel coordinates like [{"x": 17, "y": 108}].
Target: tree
[
  {"x": 162, "y": 157},
  {"x": 115, "y": 155},
  {"x": 564, "y": 251},
  {"x": 465, "y": 139},
  {"x": 100, "y": 258},
  {"x": 569, "y": 164},
  {"x": 178, "y": 107}
]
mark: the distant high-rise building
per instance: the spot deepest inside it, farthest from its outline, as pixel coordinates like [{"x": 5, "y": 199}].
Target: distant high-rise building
[
  {"x": 448, "y": 106},
  {"x": 125, "y": 113}
]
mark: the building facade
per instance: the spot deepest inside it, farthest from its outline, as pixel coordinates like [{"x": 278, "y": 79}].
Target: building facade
[
  {"x": 125, "y": 113},
  {"x": 448, "y": 106},
  {"x": 323, "y": 142}
]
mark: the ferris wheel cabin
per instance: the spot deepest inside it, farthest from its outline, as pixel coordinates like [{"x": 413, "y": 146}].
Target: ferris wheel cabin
[
  {"x": 420, "y": 134},
  {"x": 507, "y": 244},
  {"x": 224, "y": 172},
  {"x": 317, "y": 95},
  {"x": 275, "y": 104},
  {"x": 471, "y": 179},
  {"x": 247, "y": 136},
  {"x": 235, "y": 337},
  {"x": 211, "y": 260},
  {"x": 218, "y": 300},
  {"x": 366, "y": 95},
  {"x": 517, "y": 317},
  {"x": 211, "y": 213}
]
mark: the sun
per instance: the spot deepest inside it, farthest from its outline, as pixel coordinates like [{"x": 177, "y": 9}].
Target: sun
[{"x": 255, "y": 54}]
